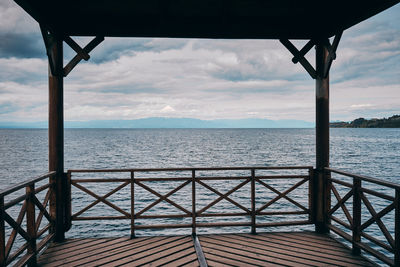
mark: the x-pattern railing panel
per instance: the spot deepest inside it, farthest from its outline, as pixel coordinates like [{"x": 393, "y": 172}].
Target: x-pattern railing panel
[
  {"x": 341, "y": 203},
  {"x": 212, "y": 197},
  {"x": 367, "y": 217},
  {"x": 100, "y": 199},
  {"x": 376, "y": 218},
  {"x": 223, "y": 197},
  {"x": 25, "y": 234},
  {"x": 162, "y": 198},
  {"x": 281, "y": 195}
]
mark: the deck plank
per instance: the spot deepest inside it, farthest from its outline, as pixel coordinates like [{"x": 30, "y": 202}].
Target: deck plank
[
  {"x": 301, "y": 251},
  {"x": 263, "y": 249}
]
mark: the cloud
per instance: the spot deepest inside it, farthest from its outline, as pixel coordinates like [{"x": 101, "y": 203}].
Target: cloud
[{"x": 207, "y": 79}]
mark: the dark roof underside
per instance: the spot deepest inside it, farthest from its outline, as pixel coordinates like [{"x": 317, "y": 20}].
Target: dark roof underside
[{"x": 244, "y": 19}]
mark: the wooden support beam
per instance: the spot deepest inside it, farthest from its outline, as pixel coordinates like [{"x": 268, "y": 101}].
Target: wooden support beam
[
  {"x": 56, "y": 137},
  {"x": 322, "y": 188}
]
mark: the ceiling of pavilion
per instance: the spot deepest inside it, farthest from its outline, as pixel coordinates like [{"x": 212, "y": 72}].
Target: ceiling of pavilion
[{"x": 245, "y": 19}]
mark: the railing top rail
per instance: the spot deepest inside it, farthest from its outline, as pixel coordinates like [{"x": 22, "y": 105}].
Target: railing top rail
[
  {"x": 366, "y": 178},
  {"x": 192, "y": 168},
  {"x": 19, "y": 186}
]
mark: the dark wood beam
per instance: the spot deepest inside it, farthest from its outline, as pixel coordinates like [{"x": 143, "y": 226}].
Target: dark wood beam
[
  {"x": 322, "y": 189},
  {"x": 56, "y": 137}
]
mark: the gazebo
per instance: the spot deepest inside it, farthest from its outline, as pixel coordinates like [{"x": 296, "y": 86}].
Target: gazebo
[{"x": 314, "y": 21}]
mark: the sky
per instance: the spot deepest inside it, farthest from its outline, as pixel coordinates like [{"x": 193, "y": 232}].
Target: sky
[{"x": 135, "y": 78}]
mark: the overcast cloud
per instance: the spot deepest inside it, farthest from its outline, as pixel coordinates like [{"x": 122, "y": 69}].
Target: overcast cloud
[{"x": 204, "y": 79}]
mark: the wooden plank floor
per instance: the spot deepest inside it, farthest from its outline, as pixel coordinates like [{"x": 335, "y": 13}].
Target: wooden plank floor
[{"x": 266, "y": 249}]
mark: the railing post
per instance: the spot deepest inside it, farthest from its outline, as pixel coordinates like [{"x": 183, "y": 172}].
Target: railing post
[
  {"x": 356, "y": 215},
  {"x": 30, "y": 223},
  {"x": 193, "y": 202},
  {"x": 311, "y": 205},
  {"x": 2, "y": 234},
  {"x": 253, "y": 201},
  {"x": 397, "y": 228},
  {"x": 132, "y": 204},
  {"x": 68, "y": 203}
]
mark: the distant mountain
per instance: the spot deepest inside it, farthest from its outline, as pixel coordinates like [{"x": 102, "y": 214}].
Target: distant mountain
[
  {"x": 391, "y": 122},
  {"x": 171, "y": 123}
]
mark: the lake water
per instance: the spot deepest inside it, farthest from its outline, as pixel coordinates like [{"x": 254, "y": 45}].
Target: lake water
[
  {"x": 371, "y": 152},
  {"x": 24, "y": 152}
]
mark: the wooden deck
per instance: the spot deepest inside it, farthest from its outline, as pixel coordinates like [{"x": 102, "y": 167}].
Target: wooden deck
[{"x": 265, "y": 249}]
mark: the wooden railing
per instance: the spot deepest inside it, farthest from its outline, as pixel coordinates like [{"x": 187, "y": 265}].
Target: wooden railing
[
  {"x": 23, "y": 234},
  {"x": 354, "y": 216},
  {"x": 200, "y": 190}
]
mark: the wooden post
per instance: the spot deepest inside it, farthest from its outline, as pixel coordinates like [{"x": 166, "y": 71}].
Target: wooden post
[
  {"x": 56, "y": 137},
  {"x": 253, "y": 201},
  {"x": 2, "y": 234},
  {"x": 356, "y": 215},
  {"x": 311, "y": 202},
  {"x": 68, "y": 203},
  {"x": 193, "y": 202},
  {"x": 322, "y": 139},
  {"x": 397, "y": 229},
  {"x": 31, "y": 224},
  {"x": 132, "y": 204}
]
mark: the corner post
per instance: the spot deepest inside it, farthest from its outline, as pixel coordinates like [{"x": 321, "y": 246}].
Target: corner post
[
  {"x": 194, "y": 230},
  {"x": 397, "y": 228},
  {"x": 56, "y": 136},
  {"x": 253, "y": 201},
  {"x": 2, "y": 234},
  {"x": 31, "y": 224},
  {"x": 356, "y": 235},
  {"x": 322, "y": 139}
]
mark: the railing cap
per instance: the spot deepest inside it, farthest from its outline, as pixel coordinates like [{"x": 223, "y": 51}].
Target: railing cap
[
  {"x": 193, "y": 168},
  {"x": 19, "y": 186},
  {"x": 366, "y": 178}
]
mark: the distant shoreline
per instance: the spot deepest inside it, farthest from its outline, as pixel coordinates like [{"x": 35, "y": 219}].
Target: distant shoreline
[{"x": 391, "y": 122}]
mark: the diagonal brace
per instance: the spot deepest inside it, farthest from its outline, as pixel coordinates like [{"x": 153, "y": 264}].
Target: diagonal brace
[
  {"x": 81, "y": 53},
  {"x": 331, "y": 52},
  {"x": 279, "y": 194},
  {"x": 282, "y": 195},
  {"x": 49, "y": 42},
  {"x": 341, "y": 203},
  {"x": 162, "y": 198},
  {"x": 376, "y": 217},
  {"x": 84, "y": 189},
  {"x": 100, "y": 199},
  {"x": 299, "y": 55},
  {"x": 13, "y": 235},
  {"x": 223, "y": 196}
]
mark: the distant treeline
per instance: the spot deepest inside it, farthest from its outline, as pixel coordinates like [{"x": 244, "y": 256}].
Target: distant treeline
[{"x": 392, "y": 122}]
